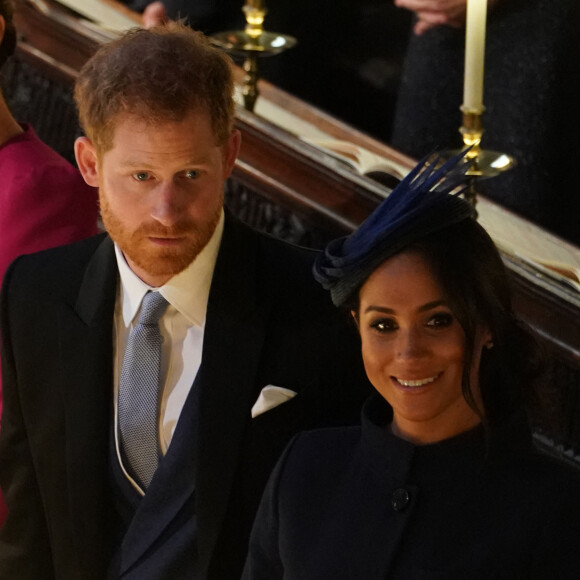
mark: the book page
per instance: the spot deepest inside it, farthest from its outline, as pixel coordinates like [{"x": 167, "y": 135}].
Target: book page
[
  {"x": 363, "y": 160},
  {"x": 106, "y": 13},
  {"x": 523, "y": 239},
  {"x": 357, "y": 157}
]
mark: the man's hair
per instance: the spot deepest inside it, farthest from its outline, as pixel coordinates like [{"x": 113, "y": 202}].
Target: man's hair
[
  {"x": 159, "y": 74},
  {"x": 8, "y": 42}
]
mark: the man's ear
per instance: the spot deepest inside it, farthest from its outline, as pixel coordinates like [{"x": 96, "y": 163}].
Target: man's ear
[
  {"x": 87, "y": 160},
  {"x": 231, "y": 148}
]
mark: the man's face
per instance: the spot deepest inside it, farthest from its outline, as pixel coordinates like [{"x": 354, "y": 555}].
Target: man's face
[{"x": 160, "y": 190}]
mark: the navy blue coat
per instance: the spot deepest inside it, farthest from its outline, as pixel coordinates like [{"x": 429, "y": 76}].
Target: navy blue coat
[{"x": 352, "y": 503}]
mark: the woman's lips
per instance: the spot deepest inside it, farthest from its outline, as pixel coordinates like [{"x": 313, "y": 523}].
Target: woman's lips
[{"x": 416, "y": 382}]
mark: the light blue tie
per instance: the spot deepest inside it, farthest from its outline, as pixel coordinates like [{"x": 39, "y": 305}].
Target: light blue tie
[{"x": 139, "y": 389}]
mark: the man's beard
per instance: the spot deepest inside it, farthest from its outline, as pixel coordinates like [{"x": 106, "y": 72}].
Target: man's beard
[{"x": 159, "y": 261}]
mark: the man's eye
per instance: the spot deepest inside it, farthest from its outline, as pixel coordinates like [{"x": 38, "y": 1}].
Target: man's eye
[
  {"x": 384, "y": 325},
  {"x": 192, "y": 174},
  {"x": 441, "y": 320},
  {"x": 141, "y": 176}
]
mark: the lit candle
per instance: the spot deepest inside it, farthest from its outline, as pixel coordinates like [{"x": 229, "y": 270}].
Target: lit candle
[
  {"x": 255, "y": 4},
  {"x": 474, "y": 55}
]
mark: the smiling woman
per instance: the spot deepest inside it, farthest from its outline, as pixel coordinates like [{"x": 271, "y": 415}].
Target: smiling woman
[
  {"x": 441, "y": 480},
  {"x": 414, "y": 350}
]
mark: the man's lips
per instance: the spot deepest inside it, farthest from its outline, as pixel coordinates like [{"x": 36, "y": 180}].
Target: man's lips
[{"x": 166, "y": 239}]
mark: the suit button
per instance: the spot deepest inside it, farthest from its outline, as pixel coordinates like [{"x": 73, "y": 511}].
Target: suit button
[{"x": 400, "y": 499}]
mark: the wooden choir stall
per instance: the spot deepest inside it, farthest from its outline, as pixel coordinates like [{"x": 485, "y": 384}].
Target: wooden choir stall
[{"x": 290, "y": 181}]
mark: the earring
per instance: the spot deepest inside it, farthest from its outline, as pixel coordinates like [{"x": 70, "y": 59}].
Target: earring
[{"x": 489, "y": 344}]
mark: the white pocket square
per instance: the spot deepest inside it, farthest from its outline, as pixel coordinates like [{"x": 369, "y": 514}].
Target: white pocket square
[{"x": 271, "y": 397}]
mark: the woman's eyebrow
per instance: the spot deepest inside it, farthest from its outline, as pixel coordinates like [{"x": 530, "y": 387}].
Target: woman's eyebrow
[
  {"x": 422, "y": 308},
  {"x": 431, "y": 305},
  {"x": 379, "y": 309}
]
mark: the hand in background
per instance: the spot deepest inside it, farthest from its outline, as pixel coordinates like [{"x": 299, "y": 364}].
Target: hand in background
[
  {"x": 154, "y": 15},
  {"x": 431, "y": 13}
]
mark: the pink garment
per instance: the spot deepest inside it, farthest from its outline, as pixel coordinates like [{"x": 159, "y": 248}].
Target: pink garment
[{"x": 44, "y": 202}]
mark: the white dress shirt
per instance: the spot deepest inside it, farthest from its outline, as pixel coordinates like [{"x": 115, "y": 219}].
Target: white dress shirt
[{"x": 182, "y": 328}]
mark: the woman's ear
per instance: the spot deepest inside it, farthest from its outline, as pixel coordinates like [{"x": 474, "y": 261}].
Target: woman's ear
[
  {"x": 87, "y": 160},
  {"x": 486, "y": 338}
]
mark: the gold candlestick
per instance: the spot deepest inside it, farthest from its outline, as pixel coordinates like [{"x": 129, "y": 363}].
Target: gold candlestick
[
  {"x": 255, "y": 14},
  {"x": 252, "y": 43},
  {"x": 471, "y": 131},
  {"x": 484, "y": 162}
]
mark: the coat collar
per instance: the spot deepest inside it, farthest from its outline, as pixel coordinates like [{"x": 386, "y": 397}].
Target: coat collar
[{"x": 97, "y": 293}]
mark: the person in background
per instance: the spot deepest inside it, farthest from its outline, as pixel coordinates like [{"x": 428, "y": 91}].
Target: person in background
[
  {"x": 153, "y": 374},
  {"x": 431, "y": 13},
  {"x": 354, "y": 57},
  {"x": 441, "y": 481},
  {"x": 44, "y": 201},
  {"x": 532, "y": 48},
  {"x": 203, "y": 15}
]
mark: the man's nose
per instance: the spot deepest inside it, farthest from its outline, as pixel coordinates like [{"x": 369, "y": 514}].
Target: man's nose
[{"x": 166, "y": 204}]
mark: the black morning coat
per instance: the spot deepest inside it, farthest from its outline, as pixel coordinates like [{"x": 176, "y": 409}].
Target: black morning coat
[
  {"x": 268, "y": 323},
  {"x": 359, "y": 503}
]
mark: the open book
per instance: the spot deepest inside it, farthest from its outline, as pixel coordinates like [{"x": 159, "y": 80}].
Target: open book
[
  {"x": 563, "y": 273},
  {"x": 548, "y": 254},
  {"x": 381, "y": 169},
  {"x": 108, "y": 14}
]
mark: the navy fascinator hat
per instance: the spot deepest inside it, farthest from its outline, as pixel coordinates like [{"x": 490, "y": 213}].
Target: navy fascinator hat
[{"x": 425, "y": 201}]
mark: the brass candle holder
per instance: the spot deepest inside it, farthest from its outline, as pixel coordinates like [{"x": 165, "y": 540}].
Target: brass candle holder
[
  {"x": 484, "y": 162},
  {"x": 251, "y": 43}
]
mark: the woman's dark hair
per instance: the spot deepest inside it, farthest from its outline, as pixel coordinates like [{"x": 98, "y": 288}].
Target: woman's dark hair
[
  {"x": 8, "y": 42},
  {"x": 467, "y": 265}
]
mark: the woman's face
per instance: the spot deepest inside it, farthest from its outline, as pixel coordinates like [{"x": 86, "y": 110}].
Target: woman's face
[{"x": 413, "y": 349}]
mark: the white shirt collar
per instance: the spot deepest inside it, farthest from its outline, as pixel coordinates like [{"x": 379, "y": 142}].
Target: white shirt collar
[{"x": 187, "y": 291}]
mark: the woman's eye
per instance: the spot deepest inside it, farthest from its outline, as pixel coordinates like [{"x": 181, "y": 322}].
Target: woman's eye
[
  {"x": 440, "y": 320},
  {"x": 192, "y": 174},
  {"x": 384, "y": 325},
  {"x": 141, "y": 176}
]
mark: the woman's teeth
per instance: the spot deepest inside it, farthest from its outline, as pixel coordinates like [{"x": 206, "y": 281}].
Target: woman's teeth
[{"x": 418, "y": 383}]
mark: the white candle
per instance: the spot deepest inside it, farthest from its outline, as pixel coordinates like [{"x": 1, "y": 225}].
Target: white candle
[
  {"x": 256, "y": 4},
  {"x": 474, "y": 55}
]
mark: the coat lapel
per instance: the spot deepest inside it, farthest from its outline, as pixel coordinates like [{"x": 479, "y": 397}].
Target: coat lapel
[
  {"x": 235, "y": 329},
  {"x": 86, "y": 337}
]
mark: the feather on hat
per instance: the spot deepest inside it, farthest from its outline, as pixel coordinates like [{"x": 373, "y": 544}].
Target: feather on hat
[{"x": 425, "y": 201}]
